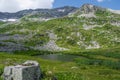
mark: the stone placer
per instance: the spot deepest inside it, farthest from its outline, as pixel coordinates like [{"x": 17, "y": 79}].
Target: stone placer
[{"x": 30, "y": 70}]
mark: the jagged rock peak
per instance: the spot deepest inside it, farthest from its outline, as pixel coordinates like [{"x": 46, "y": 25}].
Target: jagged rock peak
[{"x": 88, "y": 8}]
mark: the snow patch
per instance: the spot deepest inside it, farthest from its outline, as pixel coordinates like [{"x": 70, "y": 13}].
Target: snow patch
[
  {"x": 8, "y": 20},
  {"x": 61, "y": 10},
  {"x": 38, "y": 19}
]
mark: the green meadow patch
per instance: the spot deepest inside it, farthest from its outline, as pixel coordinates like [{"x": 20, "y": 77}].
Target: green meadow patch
[{"x": 92, "y": 65}]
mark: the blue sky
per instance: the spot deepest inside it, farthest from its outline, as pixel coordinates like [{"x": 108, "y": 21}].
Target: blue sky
[
  {"x": 113, "y": 4},
  {"x": 17, "y": 5}
]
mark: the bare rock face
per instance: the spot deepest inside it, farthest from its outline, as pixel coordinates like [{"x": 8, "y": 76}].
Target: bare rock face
[
  {"x": 89, "y": 8},
  {"x": 30, "y": 70}
]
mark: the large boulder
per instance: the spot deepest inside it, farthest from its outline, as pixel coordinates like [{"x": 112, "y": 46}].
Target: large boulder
[{"x": 30, "y": 70}]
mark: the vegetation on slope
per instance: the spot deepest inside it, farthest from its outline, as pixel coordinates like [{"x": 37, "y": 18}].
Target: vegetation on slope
[
  {"x": 92, "y": 65},
  {"x": 70, "y": 32}
]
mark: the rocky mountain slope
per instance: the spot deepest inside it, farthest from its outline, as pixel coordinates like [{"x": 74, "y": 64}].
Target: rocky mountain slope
[
  {"x": 88, "y": 27},
  {"x": 46, "y": 13}
]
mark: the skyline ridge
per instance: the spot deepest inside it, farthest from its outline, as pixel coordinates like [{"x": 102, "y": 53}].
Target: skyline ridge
[{"x": 61, "y": 7}]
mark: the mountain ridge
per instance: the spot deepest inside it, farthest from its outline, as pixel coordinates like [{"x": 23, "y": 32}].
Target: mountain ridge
[
  {"x": 77, "y": 30},
  {"x": 56, "y": 12},
  {"x": 22, "y": 13}
]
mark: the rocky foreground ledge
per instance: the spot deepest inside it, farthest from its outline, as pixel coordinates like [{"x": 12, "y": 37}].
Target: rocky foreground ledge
[{"x": 30, "y": 70}]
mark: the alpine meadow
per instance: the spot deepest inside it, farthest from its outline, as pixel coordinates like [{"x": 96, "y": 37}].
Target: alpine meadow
[{"x": 69, "y": 43}]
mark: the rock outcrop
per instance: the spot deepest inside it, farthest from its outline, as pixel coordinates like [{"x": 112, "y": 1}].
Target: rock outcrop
[
  {"x": 30, "y": 70},
  {"x": 89, "y": 8}
]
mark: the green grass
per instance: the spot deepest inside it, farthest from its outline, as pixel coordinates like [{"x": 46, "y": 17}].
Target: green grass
[
  {"x": 67, "y": 29},
  {"x": 93, "y": 65},
  {"x": 1, "y": 23}
]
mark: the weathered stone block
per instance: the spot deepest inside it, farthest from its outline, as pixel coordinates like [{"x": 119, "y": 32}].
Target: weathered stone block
[{"x": 30, "y": 70}]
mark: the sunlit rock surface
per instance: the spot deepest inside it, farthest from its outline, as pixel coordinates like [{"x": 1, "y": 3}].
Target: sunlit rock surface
[{"x": 30, "y": 70}]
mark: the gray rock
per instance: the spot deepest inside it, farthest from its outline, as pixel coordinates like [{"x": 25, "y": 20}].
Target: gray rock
[
  {"x": 89, "y": 8},
  {"x": 30, "y": 70}
]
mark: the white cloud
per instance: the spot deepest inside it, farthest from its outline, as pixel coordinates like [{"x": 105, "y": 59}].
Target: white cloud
[
  {"x": 16, "y": 5},
  {"x": 103, "y": 0},
  {"x": 100, "y": 0}
]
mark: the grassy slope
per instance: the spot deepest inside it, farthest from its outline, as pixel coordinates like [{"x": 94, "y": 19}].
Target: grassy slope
[
  {"x": 90, "y": 67},
  {"x": 67, "y": 30},
  {"x": 1, "y": 23}
]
